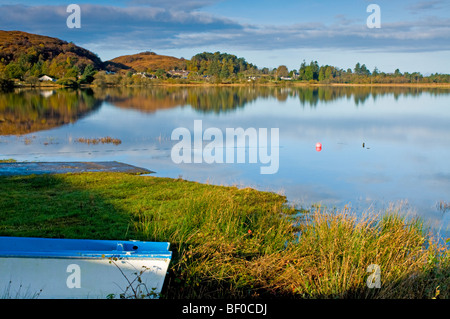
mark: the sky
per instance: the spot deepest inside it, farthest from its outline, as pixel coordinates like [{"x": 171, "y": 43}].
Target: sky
[{"x": 414, "y": 35}]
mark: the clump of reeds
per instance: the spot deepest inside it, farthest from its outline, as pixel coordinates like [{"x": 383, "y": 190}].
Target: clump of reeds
[
  {"x": 334, "y": 250},
  {"x": 102, "y": 140},
  {"x": 233, "y": 253}
]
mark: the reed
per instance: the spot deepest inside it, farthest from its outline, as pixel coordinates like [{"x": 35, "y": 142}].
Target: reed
[{"x": 101, "y": 140}]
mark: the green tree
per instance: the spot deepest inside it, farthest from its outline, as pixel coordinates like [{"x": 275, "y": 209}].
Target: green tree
[
  {"x": 14, "y": 71},
  {"x": 88, "y": 74},
  {"x": 214, "y": 68},
  {"x": 225, "y": 72},
  {"x": 72, "y": 72},
  {"x": 375, "y": 71},
  {"x": 315, "y": 70},
  {"x": 160, "y": 74},
  {"x": 301, "y": 71},
  {"x": 321, "y": 74},
  {"x": 328, "y": 72},
  {"x": 32, "y": 80},
  {"x": 364, "y": 70},
  {"x": 309, "y": 73}
]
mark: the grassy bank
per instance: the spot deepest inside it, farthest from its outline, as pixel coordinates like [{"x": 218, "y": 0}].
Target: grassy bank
[{"x": 229, "y": 242}]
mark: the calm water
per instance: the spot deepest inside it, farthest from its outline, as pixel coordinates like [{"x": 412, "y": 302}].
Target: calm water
[{"x": 406, "y": 136}]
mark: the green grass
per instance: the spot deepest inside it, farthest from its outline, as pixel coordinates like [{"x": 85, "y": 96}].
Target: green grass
[{"x": 229, "y": 242}]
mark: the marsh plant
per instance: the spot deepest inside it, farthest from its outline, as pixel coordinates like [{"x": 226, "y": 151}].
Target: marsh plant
[
  {"x": 136, "y": 288},
  {"x": 100, "y": 140},
  {"x": 20, "y": 293}
]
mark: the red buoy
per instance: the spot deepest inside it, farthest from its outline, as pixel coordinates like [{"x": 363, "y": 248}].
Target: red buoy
[{"x": 318, "y": 147}]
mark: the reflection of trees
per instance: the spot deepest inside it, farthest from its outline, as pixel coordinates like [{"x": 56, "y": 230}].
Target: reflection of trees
[
  {"x": 360, "y": 94},
  {"x": 223, "y": 99},
  {"x": 144, "y": 99},
  {"x": 27, "y": 111},
  {"x": 204, "y": 99}
]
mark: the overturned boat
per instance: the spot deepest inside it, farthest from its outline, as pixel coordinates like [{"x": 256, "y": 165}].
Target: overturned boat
[{"x": 81, "y": 268}]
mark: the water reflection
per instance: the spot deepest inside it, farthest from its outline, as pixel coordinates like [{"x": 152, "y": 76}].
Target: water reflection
[
  {"x": 27, "y": 111},
  {"x": 203, "y": 99},
  {"x": 225, "y": 99}
]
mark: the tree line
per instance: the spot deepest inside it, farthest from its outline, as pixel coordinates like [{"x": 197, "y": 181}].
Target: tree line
[
  {"x": 219, "y": 65},
  {"x": 73, "y": 70},
  {"x": 312, "y": 72}
]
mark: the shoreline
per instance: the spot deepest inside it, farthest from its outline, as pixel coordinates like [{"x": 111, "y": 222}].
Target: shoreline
[{"x": 250, "y": 84}]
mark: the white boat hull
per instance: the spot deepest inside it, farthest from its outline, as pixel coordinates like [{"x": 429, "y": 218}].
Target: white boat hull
[{"x": 69, "y": 274}]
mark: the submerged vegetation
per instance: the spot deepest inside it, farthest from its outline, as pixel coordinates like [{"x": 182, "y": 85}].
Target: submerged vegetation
[
  {"x": 99, "y": 140},
  {"x": 233, "y": 243}
]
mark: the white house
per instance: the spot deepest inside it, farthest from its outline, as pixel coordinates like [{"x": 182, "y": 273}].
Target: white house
[{"x": 46, "y": 78}]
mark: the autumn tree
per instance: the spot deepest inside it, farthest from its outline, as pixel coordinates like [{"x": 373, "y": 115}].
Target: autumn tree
[{"x": 282, "y": 71}]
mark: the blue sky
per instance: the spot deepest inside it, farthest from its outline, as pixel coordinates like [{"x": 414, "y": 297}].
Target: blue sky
[{"x": 414, "y": 34}]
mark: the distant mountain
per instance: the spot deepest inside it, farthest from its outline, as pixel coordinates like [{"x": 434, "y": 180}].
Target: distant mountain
[
  {"x": 145, "y": 62},
  {"x": 34, "y": 55}
]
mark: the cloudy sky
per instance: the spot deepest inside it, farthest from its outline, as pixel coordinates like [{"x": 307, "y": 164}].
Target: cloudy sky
[{"x": 414, "y": 34}]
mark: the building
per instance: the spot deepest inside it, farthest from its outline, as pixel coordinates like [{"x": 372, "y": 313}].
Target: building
[
  {"x": 179, "y": 74},
  {"x": 46, "y": 78}
]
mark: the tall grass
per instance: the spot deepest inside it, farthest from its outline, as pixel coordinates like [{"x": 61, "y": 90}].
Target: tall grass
[
  {"x": 225, "y": 251},
  {"x": 234, "y": 243},
  {"x": 213, "y": 236},
  {"x": 334, "y": 250}
]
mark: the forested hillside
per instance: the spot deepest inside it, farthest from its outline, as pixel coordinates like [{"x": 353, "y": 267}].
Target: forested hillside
[{"x": 28, "y": 56}]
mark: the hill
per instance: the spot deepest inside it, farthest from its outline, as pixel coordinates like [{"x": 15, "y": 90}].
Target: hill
[
  {"x": 24, "y": 54},
  {"x": 146, "y": 62}
]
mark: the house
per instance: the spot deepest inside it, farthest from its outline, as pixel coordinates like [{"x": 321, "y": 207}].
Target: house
[
  {"x": 46, "y": 78},
  {"x": 144, "y": 75},
  {"x": 179, "y": 74}
]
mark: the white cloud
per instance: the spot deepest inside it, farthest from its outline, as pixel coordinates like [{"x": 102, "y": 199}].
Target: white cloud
[
  {"x": 162, "y": 25},
  {"x": 421, "y": 6}
]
